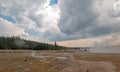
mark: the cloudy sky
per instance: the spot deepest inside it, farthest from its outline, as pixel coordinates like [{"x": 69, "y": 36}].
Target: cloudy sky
[{"x": 60, "y": 20}]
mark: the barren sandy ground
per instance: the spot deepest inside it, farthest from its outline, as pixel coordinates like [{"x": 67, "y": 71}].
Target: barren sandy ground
[{"x": 58, "y": 61}]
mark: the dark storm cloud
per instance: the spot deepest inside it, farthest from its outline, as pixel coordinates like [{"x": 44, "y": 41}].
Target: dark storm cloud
[
  {"x": 80, "y": 19},
  {"x": 76, "y": 16},
  {"x": 100, "y": 30}
]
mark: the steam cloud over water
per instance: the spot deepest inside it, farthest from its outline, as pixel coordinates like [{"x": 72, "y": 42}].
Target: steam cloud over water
[{"x": 107, "y": 45}]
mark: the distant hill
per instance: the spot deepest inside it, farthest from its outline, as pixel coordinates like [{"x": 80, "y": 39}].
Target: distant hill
[{"x": 16, "y": 43}]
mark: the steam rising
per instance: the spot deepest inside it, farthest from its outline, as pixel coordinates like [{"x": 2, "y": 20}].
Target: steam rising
[
  {"x": 107, "y": 45},
  {"x": 19, "y": 43}
]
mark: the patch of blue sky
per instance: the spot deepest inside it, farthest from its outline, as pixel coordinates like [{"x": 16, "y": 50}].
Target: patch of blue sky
[
  {"x": 52, "y": 2},
  {"x": 8, "y": 18},
  {"x": 32, "y": 33}
]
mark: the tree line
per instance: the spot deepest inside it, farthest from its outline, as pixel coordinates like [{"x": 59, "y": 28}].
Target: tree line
[{"x": 16, "y": 43}]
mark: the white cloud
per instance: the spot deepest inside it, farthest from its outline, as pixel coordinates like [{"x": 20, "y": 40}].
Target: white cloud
[
  {"x": 9, "y": 29},
  {"x": 36, "y": 16},
  {"x": 67, "y": 20}
]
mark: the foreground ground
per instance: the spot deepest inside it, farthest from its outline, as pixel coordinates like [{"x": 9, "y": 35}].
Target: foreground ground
[{"x": 58, "y": 61}]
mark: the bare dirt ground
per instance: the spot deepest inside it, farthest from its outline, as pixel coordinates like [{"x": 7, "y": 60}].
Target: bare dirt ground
[{"x": 57, "y": 61}]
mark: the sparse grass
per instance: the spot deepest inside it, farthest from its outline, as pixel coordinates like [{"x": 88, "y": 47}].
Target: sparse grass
[
  {"x": 15, "y": 51},
  {"x": 113, "y": 58},
  {"x": 13, "y": 61}
]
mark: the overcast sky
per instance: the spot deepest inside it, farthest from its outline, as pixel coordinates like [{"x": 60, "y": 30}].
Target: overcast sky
[{"x": 59, "y": 20}]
